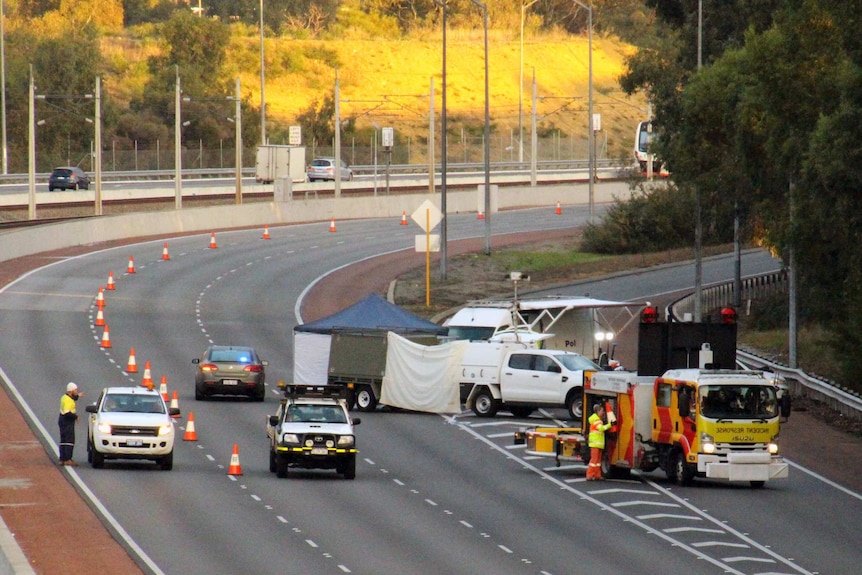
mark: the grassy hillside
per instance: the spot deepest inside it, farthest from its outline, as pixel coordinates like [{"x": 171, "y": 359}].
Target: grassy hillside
[{"x": 387, "y": 82}]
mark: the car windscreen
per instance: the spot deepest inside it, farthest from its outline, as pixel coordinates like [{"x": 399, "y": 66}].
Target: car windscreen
[
  {"x": 738, "y": 401},
  {"x": 132, "y": 403},
  {"x": 459, "y": 332},
  {"x": 577, "y": 362},
  {"x": 315, "y": 414}
]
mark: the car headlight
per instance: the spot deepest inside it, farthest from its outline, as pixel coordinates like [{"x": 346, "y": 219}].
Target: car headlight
[
  {"x": 290, "y": 438},
  {"x": 104, "y": 428},
  {"x": 707, "y": 443},
  {"x": 345, "y": 441},
  {"x": 772, "y": 447},
  {"x": 166, "y": 429}
]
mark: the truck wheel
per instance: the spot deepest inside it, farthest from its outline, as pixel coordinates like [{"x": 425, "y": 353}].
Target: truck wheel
[
  {"x": 484, "y": 404},
  {"x": 682, "y": 473},
  {"x": 365, "y": 400},
  {"x": 281, "y": 467},
  {"x": 575, "y": 404},
  {"x": 348, "y": 468},
  {"x": 521, "y": 411},
  {"x": 757, "y": 484}
]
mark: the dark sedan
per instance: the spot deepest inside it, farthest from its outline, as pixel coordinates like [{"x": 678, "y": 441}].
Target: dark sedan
[
  {"x": 68, "y": 178},
  {"x": 230, "y": 370}
]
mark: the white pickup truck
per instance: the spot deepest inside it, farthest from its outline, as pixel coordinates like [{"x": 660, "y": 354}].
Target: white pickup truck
[{"x": 524, "y": 380}]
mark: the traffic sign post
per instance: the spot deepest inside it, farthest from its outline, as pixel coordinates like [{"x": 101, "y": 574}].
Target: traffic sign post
[
  {"x": 388, "y": 141},
  {"x": 427, "y": 216}
]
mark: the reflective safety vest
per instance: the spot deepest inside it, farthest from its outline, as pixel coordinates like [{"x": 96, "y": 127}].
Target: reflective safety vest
[
  {"x": 67, "y": 404},
  {"x": 597, "y": 431}
]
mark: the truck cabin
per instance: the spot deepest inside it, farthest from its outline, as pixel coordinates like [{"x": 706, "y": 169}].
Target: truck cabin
[{"x": 738, "y": 402}]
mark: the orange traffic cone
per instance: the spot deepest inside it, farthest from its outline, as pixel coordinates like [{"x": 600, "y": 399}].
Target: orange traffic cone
[
  {"x": 266, "y": 231},
  {"x": 111, "y": 286},
  {"x": 106, "y": 338},
  {"x": 234, "y": 468},
  {"x": 481, "y": 216},
  {"x": 165, "y": 254},
  {"x": 100, "y": 319},
  {"x": 147, "y": 381},
  {"x": 100, "y": 298},
  {"x": 175, "y": 402},
  {"x": 403, "y": 218},
  {"x": 131, "y": 268},
  {"x": 163, "y": 388},
  {"x": 559, "y": 210},
  {"x": 332, "y": 225},
  {"x": 191, "y": 434},
  {"x": 212, "y": 241},
  {"x": 132, "y": 366}
]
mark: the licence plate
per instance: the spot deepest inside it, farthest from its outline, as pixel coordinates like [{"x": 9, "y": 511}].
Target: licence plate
[
  {"x": 319, "y": 451},
  {"x": 134, "y": 443},
  {"x": 230, "y": 382}
]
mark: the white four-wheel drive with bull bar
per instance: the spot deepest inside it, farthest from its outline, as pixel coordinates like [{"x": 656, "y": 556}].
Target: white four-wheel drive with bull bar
[{"x": 312, "y": 430}]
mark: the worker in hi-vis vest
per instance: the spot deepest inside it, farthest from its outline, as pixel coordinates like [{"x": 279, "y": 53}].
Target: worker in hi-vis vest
[{"x": 596, "y": 440}]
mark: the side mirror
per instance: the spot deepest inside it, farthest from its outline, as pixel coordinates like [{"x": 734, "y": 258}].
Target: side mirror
[
  {"x": 356, "y": 421},
  {"x": 196, "y": 360},
  {"x": 92, "y": 408},
  {"x": 273, "y": 420},
  {"x": 174, "y": 411}
]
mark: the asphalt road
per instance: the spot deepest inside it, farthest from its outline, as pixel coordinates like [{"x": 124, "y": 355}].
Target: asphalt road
[{"x": 433, "y": 494}]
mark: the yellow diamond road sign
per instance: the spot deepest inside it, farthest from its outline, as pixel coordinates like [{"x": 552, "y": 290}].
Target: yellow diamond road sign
[{"x": 427, "y": 216}]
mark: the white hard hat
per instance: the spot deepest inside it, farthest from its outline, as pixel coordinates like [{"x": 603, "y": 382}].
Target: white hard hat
[{"x": 71, "y": 386}]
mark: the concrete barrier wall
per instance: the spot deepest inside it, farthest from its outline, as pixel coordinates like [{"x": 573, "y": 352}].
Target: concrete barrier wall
[{"x": 37, "y": 239}]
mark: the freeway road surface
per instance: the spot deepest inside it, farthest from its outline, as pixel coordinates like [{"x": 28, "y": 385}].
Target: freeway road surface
[{"x": 433, "y": 494}]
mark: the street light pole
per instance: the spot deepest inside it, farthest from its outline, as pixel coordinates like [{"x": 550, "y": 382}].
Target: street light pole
[
  {"x": 5, "y": 150},
  {"x": 698, "y": 223}
]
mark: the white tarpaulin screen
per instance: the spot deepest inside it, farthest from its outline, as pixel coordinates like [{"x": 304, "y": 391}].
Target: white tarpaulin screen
[
  {"x": 422, "y": 378},
  {"x": 310, "y": 357}
]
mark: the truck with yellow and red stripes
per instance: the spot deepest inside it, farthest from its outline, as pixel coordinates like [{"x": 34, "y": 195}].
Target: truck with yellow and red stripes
[{"x": 712, "y": 423}]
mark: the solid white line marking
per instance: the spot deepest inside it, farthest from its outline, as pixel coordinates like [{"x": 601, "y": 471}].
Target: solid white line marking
[
  {"x": 311, "y": 543},
  {"x": 653, "y": 503},
  {"x": 692, "y": 530},
  {"x": 720, "y": 543}
]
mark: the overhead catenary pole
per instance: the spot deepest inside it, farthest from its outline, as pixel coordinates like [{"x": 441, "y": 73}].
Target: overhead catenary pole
[
  {"x": 178, "y": 160},
  {"x": 432, "y": 143},
  {"x": 337, "y": 137},
  {"x": 487, "y": 150},
  {"x": 238, "y": 143},
  {"x": 97, "y": 154},
  {"x": 444, "y": 153},
  {"x": 31, "y": 151},
  {"x": 698, "y": 217},
  {"x": 262, "y": 83}
]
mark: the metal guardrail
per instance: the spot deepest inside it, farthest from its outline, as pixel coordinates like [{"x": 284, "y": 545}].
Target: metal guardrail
[
  {"x": 846, "y": 401},
  {"x": 198, "y": 173}
]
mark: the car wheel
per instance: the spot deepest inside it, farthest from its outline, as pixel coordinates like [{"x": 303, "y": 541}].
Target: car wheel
[
  {"x": 575, "y": 404},
  {"x": 50, "y": 188},
  {"x": 260, "y": 395},
  {"x": 86, "y": 186},
  {"x": 484, "y": 404},
  {"x": 98, "y": 460},
  {"x": 167, "y": 462},
  {"x": 365, "y": 399},
  {"x": 272, "y": 462},
  {"x": 349, "y": 467},
  {"x": 281, "y": 466},
  {"x": 199, "y": 395},
  {"x": 89, "y": 450}
]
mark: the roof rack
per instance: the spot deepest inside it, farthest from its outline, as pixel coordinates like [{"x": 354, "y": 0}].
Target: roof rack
[{"x": 296, "y": 390}]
